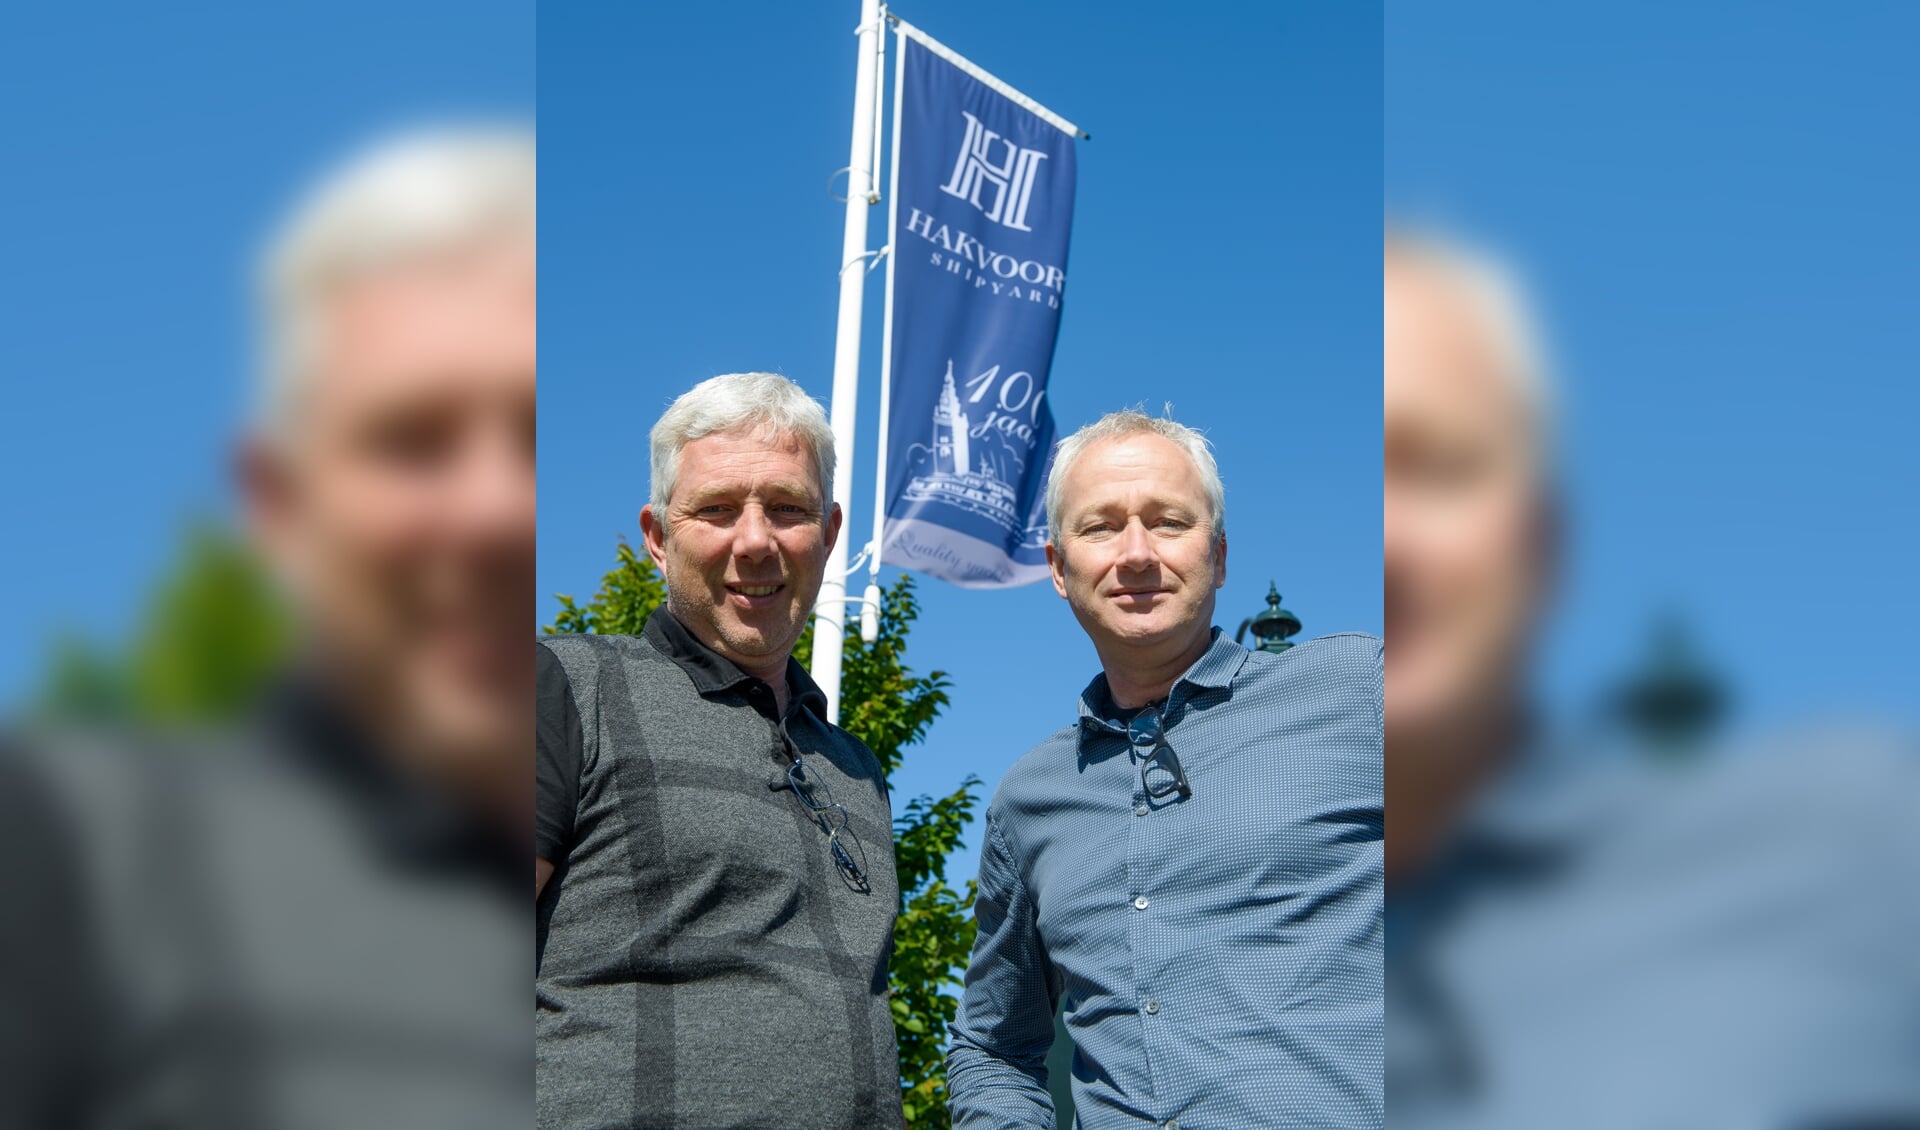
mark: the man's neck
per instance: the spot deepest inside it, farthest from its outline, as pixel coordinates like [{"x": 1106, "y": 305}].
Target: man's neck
[
  {"x": 481, "y": 777},
  {"x": 772, "y": 672},
  {"x": 1138, "y": 678},
  {"x": 774, "y": 676}
]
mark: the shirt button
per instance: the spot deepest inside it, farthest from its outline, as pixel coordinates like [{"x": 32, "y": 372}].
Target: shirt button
[
  {"x": 1140, "y": 902},
  {"x": 1139, "y": 810},
  {"x": 1152, "y": 1008},
  {"x": 1170, "y": 1124}
]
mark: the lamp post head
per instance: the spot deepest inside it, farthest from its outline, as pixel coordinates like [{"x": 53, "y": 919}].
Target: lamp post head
[
  {"x": 1270, "y": 627},
  {"x": 1674, "y": 701}
]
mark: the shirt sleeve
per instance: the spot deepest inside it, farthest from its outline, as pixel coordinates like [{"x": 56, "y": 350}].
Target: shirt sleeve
[
  {"x": 54, "y": 1022},
  {"x": 557, "y": 758},
  {"x": 997, "y": 1062}
]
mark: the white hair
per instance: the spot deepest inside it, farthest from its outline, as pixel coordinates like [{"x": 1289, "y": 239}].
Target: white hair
[
  {"x": 1497, "y": 299},
  {"x": 403, "y": 199},
  {"x": 768, "y": 402},
  {"x": 1130, "y": 422}
]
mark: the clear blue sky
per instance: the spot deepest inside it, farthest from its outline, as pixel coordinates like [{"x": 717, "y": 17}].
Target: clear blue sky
[
  {"x": 1716, "y": 203},
  {"x": 148, "y": 149},
  {"x": 1225, "y": 258}
]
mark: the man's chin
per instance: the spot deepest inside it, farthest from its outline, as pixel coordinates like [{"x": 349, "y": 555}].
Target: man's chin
[
  {"x": 759, "y": 642},
  {"x": 1144, "y": 629},
  {"x": 483, "y": 659},
  {"x": 462, "y": 727},
  {"x": 1421, "y": 706}
]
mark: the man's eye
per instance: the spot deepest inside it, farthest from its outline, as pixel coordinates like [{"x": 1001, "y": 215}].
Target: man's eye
[
  {"x": 1096, "y": 529},
  {"x": 1172, "y": 524},
  {"x": 414, "y": 442},
  {"x": 1433, "y": 463}
]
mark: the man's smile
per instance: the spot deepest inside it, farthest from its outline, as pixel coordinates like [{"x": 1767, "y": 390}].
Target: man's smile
[{"x": 762, "y": 595}]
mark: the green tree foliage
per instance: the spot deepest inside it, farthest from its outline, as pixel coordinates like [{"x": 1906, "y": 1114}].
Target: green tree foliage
[
  {"x": 211, "y": 635},
  {"x": 889, "y": 707},
  {"x": 214, "y": 633},
  {"x": 931, "y": 944},
  {"x": 627, "y": 596},
  {"x": 82, "y": 683}
]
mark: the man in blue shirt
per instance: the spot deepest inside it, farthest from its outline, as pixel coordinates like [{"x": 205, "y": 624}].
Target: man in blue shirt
[
  {"x": 1192, "y": 870},
  {"x": 1585, "y": 934}
]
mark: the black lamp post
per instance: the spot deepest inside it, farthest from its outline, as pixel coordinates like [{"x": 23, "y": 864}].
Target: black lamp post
[
  {"x": 1270, "y": 628},
  {"x": 1674, "y": 701}
]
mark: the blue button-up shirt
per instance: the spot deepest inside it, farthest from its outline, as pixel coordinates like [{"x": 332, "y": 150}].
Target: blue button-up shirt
[
  {"x": 1612, "y": 938},
  {"x": 1218, "y": 955}
]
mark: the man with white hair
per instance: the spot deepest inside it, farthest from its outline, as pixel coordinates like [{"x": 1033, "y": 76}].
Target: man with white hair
[
  {"x": 1192, "y": 870},
  {"x": 1583, "y": 935},
  {"x": 317, "y": 919},
  {"x": 1471, "y": 529},
  {"x": 714, "y": 875},
  {"x": 390, "y": 474}
]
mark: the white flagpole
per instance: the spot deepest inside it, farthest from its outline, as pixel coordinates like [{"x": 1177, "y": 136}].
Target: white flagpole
[
  {"x": 870, "y": 607},
  {"x": 831, "y": 609}
]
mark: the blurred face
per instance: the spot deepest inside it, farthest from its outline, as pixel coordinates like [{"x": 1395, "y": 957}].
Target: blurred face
[
  {"x": 743, "y": 543},
  {"x": 1138, "y": 558},
  {"x": 400, "y": 508},
  {"x": 1466, "y": 530}
]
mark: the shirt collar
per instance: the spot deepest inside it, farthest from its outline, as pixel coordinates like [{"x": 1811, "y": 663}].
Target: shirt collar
[
  {"x": 415, "y": 821},
  {"x": 1214, "y": 670},
  {"x": 713, "y": 673},
  {"x": 1540, "y": 808}
]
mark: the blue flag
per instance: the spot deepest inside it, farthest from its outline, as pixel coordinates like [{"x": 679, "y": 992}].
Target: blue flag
[{"x": 983, "y": 204}]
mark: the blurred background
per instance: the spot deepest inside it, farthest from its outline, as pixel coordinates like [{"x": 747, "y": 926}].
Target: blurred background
[
  {"x": 151, "y": 151},
  {"x": 269, "y": 348},
  {"x": 1650, "y": 715},
  {"x": 1712, "y": 212}
]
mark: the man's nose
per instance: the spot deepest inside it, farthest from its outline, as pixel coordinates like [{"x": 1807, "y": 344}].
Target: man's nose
[
  {"x": 753, "y": 534},
  {"x": 1136, "y": 546}
]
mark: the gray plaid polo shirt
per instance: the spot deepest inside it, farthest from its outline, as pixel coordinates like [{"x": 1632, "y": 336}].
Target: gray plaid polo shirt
[{"x": 701, "y": 962}]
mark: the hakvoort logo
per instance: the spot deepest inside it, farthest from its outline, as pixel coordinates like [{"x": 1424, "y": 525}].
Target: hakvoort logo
[{"x": 1007, "y": 173}]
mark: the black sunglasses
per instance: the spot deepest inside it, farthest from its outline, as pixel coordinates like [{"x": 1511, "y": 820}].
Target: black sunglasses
[
  {"x": 849, "y": 857},
  {"x": 1160, "y": 772}
]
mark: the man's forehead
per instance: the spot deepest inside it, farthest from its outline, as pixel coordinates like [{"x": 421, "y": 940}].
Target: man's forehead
[
  {"x": 746, "y": 459},
  {"x": 1143, "y": 466},
  {"x": 1423, "y": 306},
  {"x": 706, "y": 486},
  {"x": 1441, "y": 346},
  {"x": 747, "y": 449},
  {"x": 470, "y": 313},
  {"x": 1444, "y": 375}
]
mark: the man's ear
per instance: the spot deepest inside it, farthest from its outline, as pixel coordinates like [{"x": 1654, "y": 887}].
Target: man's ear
[
  {"x": 1057, "y": 565},
  {"x": 834, "y": 518},
  {"x": 269, "y": 495},
  {"x": 1220, "y": 569},
  {"x": 653, "y": 531}
]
